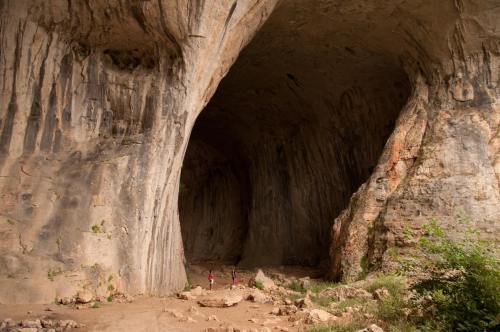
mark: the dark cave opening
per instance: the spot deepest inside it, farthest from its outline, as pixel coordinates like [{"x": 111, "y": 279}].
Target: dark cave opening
[{"x": 289, "y": 136}]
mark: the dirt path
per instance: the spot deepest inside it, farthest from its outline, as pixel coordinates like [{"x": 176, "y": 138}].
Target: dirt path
[{"x": 165, "y": 314}]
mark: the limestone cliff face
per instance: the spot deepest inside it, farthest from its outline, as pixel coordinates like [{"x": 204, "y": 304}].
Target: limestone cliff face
[
  {"x": 98, "y": 100},
  {"x": 442, "y": 160}
]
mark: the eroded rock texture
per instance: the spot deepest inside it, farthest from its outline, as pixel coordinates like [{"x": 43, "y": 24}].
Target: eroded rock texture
[{"x": 99, "y": 99}]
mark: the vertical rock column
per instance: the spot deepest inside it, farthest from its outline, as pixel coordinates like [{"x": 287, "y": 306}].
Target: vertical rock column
[{"x": 98, "y": 100}]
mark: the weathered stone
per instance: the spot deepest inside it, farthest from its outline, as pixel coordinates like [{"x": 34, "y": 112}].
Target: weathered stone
[
  {"x": 372, "y": 328},
  {"x": 346, "y": 292},
  {"x": 84, "y": 296},
  {"x": 262, "y": 279},
  {"x": 318, "y": 315},
  {"x": 380, "y": 293},
  {"x": 221, "y": 300}
]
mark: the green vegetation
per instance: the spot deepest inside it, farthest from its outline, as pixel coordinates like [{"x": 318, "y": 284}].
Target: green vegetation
[
  {"x": 337, "y": 328},
  {"x": 96, "y": 229},
  {"x": 297, "y": 286},
  {"x": 96, "y": 305},
  {"x": 111, "y": 287},
  {"x": 109, "y": 298},
  {"x": 259, "y": 285},
  {"x": 464, "y": 286},
  {"x": 396, "y": 285},
  {"x": 51, "y": 274},
  {"x": 460, "y": 293},
  {"x": 319, "y": 286}
]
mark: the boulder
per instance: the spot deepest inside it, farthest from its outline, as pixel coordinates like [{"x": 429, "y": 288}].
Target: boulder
[
  {"x": 221, "y": 301},
  {"x": 84, "y": 296},
  {"x": 258, "y": 297},
  {"x": 319, "y": 316},
  {"x": 262, "y": 279}
]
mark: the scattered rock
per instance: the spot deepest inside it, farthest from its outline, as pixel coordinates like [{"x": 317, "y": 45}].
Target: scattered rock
[
  {"x": 318, "y": 316},
  {"x": 304, "y": 303},
  {"x": 84, "y": 296},
  {"x": 372, "y": 328},
  {"x": 260, "y": 277},
  {"x": 221, "y": 301},
  {"x": 186, "y": 296},
  {"x": 31, "y": 323},
  {"x": 380, "y": 293},
  {"x": 65, "y": 300},
  {"x": 257, "y": 296},
  {"x": 287, "y": 310},
  {"x": 343, "y": 292}
]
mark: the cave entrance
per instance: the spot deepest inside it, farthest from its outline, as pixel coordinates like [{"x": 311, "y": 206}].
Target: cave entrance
[{"x": 293, "y": 130}]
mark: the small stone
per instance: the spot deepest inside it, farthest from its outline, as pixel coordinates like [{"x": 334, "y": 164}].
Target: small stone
[
  {"x": 46, "y": 323},
  {"x": 28, "y": 329},
  {"x": 198, "y": 291},
  {"x": 372, "y": 328},
  {"x": 275, "y": 311},
  {"x": 9, "y": 322}
]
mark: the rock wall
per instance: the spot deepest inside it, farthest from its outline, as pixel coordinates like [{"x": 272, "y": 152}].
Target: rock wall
[
  {"x": 98, "y": 100},
  {"x": 442, "y": 160}
]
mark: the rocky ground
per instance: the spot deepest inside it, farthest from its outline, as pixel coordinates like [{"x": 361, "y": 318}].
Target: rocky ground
[{"x": 274, "y": 300}]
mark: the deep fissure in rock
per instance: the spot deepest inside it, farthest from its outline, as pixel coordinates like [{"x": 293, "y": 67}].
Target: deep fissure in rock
[{"x": 289, "y": 136}]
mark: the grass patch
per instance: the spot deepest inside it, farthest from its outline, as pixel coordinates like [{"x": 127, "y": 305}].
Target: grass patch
[
  {"x": 96, "y": 305},
  {"x": 343, "y": 305},
  {"x": 351, "y": 327},
  {"x": 396, "y": 285},
  {"x": 109, "y": 298},
  {"x": 297, "y": 286},
  {"x": 323, "y": 301},
  {"x": 319, "y": 286},
  {"x": 96, "y": 229}
]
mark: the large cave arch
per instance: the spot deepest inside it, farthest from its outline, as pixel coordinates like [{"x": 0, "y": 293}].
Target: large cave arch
[{"x": 294, "y": 129}]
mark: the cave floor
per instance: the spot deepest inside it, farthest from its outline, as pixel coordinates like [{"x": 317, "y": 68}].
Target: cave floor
[{"x": 170, "y": 313}]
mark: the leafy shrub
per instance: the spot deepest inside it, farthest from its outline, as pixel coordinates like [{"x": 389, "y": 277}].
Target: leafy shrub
[
  {"x": 259, "y": 285},
  {"x": 109, "y": 298},
  {"x": 337, "y": 328},
  {"x": 464, "y": 286}
]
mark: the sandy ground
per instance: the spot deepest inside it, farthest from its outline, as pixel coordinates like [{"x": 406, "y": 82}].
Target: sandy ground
[{"x": 155, "y": 314}]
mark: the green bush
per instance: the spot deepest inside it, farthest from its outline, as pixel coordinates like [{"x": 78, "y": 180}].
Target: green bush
[
  {"x": 259, "y": 285},
  {"x": 464, "y": 286},
  {"x": 337, "y": 328}
]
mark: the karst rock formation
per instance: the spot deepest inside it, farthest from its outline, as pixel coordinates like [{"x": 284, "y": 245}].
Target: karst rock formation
[{"x": 355, "y": 121}]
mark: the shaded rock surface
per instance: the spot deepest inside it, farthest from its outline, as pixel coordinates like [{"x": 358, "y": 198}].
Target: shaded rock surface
[{"x": 99, "y": 100}]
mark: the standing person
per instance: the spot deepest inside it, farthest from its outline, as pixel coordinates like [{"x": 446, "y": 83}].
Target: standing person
[
  {"x": 210, "y": 279},
  {"x": 233, "y": 276}
]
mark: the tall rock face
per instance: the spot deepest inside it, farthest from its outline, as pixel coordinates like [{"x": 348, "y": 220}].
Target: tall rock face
[
  {"x": 99, "y": 98},
  {"x": 442, "y": 162},
  {"x": 97, "y": 102}
]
